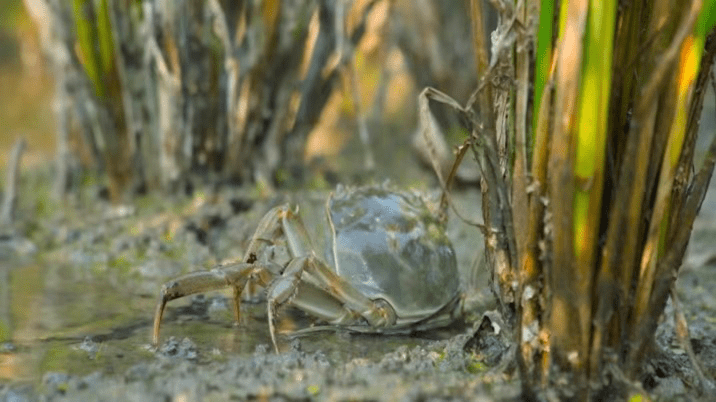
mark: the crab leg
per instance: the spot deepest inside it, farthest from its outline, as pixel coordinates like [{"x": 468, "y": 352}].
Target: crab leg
[
  {"x": 290, "y": 289},
  {"x": 279, "y": 220},
  {"x": 285, "y": 290},
  {"x": 321, "y": 275},
  {"x": 233, "y": 275}
]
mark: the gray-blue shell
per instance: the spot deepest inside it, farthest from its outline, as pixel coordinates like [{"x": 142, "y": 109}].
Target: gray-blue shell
[{"x": 389, "y": 246}]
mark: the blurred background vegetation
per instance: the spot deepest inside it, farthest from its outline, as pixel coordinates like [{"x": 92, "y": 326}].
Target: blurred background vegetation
[
  {"x": 25, "y": 98},
  {"x": 156, "y": 95}
]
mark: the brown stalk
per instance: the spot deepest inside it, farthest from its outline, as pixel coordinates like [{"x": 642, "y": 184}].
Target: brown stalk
[
  {"x": 481, "y": 58},
  {"x": 624, "y": 82},
  {"x": 531, "y": 291},
  {"x": 647, "y": 273},
  {"x": 425, "y": 114},
  {"x": 446, "y": 199},
  {"x": 346, "y": 58},
  {"x": 672, "y": 259},
  {"x": 619, "y": 253},
  {"x": 168, "y": 115},
  {"x": 424, "y": 106},
  {"x": 682, "y": 334},
  {"x": 9, "y": 201},
  {"x": 615, "y": 274},
  {"x": 567, "y": 335},
  {"x": 523, "y": 46},
  {"x": 684, "y": 173}
]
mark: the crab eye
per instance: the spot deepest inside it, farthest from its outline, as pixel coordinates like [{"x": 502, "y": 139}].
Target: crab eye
[{"x": 252, "y": 258}]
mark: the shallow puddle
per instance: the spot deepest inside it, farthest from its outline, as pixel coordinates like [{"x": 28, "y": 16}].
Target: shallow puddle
[
  {"x": 93, "y": 316},
  {"x": 69, "y": 321},
  {"x": 78, "y": 323}
]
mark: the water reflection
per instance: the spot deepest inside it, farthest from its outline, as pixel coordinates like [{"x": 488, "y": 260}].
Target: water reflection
[
  {"x": 51, "y": 312},
  {"x": 74, "y": 321}
]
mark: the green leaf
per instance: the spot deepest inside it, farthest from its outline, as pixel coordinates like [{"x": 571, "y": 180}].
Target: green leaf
[{"x": 707, "y": 18}]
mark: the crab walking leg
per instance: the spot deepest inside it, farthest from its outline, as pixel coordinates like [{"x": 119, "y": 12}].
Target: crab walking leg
[
  {"x": 285, "y": 290},
  {"x": 279, "y": 220},
  {"x": 319, "y": 304},
  {"x": 234, "y": 275},
  {"x": 282, "y": 291},
  {"x": 378, "y": 313},
  {"x": 290, "y": 289}
]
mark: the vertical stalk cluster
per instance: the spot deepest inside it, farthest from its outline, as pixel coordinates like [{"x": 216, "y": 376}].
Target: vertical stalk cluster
[
  {"x": 157, "y": 89},
  {"x": 599, "y": 195}
]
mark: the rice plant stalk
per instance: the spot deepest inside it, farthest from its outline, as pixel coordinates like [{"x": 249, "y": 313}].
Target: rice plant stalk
[{"x": 601, "y": 189}]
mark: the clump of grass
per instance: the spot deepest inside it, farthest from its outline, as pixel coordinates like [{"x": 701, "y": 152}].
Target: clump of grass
[{"x": 584, "y": 125}]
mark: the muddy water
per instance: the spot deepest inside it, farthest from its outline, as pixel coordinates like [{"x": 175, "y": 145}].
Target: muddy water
[
  {"x": 87, "y": 305},
  {"x": 79, "y": 324}
]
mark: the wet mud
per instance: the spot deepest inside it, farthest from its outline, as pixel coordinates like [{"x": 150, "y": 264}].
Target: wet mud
[{"x": 82, "y": 312}]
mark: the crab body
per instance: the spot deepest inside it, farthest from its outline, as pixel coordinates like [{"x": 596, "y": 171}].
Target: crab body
[
  {"x": 389, "y": 266},
  {"x": 389, "y": 246}
]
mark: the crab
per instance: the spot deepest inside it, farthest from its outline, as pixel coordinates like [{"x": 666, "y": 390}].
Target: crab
[{"x": 390, "y": 267}]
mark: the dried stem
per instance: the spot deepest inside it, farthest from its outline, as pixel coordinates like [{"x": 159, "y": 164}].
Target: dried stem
[{"x": 7, "y": 213}]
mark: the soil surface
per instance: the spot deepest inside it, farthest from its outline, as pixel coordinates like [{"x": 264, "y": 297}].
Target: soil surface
[{"x": 82, "y": 301}]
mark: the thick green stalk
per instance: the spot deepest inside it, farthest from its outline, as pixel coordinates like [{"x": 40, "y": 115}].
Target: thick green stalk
[
  {"x": 592, "y": 128},
  {"x": 543, "y": 56},
  {"x": 104, "y": 37},
  {"x": 591, "y": 140},
  {"x": 86, "y": 39}
]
